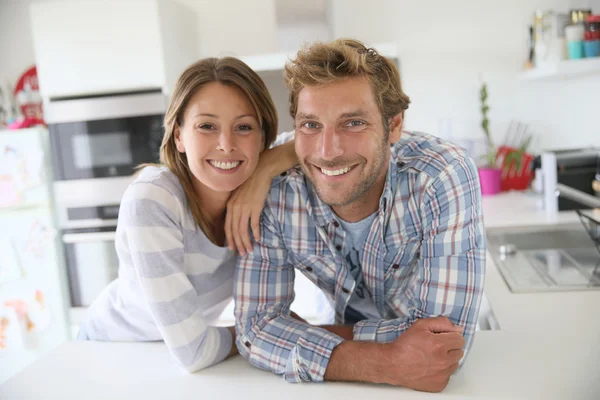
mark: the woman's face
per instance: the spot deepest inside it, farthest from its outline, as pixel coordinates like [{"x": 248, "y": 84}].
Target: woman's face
[{"x": 220, "y": 136}]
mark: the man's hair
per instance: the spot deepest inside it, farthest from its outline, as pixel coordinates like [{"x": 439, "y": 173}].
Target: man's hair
[{"x": 323, "y": 63}]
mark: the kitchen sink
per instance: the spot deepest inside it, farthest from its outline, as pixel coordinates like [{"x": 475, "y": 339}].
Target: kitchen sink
[{"x": 549, "y": 258}]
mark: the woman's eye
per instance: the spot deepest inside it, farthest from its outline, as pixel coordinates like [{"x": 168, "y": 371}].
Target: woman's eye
[
  {"x": 245, "y": 128},
  {"x": 206, "y": 126}
]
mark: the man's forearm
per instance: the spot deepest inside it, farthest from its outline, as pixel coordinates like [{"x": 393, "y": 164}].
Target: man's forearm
[{"x": 356, "y": 362}]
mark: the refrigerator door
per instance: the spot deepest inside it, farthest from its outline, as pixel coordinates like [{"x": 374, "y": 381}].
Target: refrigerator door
[{"x": 33, "y": 295}]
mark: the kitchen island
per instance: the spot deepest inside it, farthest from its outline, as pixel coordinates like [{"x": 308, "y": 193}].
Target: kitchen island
[{"x": 547, "y": 347}]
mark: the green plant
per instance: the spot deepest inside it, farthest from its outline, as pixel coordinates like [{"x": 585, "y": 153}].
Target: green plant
[
  {"x": 491, "y": 151},
  {"x": 515, "y": 156}
]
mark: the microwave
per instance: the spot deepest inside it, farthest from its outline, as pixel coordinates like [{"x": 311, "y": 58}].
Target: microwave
[{"x": 104, "y": 136}]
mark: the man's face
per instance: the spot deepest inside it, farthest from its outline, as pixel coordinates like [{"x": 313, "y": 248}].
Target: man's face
[{"x": 341, "y": 142}]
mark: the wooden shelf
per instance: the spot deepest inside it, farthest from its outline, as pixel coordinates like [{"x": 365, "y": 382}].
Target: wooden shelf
[{"x": 567, "y": 69}]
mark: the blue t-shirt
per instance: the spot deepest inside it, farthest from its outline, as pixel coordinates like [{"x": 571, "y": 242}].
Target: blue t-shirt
[{"x": 361, "y": 305}]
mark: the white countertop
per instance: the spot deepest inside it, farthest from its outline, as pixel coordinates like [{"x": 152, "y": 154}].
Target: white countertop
[
  {"x": 520, "y": 209},
  {"x": 548, "y": 347}
]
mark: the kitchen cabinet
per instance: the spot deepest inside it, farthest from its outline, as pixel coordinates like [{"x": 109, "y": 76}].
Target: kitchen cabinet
[{"x": 95, "y": 47}]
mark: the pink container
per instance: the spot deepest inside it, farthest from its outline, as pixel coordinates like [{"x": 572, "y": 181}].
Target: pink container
[{"x": 490, "y": 179}]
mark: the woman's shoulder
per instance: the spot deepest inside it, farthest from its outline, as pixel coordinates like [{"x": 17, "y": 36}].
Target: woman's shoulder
[
  {"x": 156, "y": 177},
  {"x": 158, "y": 185}
]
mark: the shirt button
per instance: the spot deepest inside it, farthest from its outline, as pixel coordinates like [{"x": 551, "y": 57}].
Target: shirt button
[
  {"x": 338, "y": 247},
  {"x": 345, "y": 290},
  {"x": 400, "y": 164},
  {"x": 395, "y": 266},
  {"x": 336, "y": 224},
  {"x": 247, "y": 344},
  {"x": 309, "y": 269}
]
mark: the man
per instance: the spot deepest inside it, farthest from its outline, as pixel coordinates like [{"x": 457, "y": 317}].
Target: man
[{"x": 387, "y": 223}]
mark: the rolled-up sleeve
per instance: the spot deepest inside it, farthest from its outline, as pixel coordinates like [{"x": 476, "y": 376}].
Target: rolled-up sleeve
[
  {"x": 450, "y": 274},
  {"x": 268, "y": 336}
]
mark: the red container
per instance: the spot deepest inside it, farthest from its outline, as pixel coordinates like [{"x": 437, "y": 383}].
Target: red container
[
  {"x": 514, "y": 178},
  {"x": 592, "y": 28}
]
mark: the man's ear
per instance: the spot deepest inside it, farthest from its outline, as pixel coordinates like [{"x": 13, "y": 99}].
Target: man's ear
[
  {"x": 396, "y": 127},
  {"x": 177, "y": 137}
]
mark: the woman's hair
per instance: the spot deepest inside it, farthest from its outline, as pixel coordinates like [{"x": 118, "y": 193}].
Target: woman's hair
[
  {"x": 323, "y": 63},
  {"x": 228, "y": 71}
]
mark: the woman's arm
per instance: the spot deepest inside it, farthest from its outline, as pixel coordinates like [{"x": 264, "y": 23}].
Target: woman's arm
[
  {"x": 150, "y": 238},
  {"x": 246, "y": 203}
]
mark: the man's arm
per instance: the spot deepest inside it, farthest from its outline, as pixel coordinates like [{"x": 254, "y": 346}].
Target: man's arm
[
  {"x": 423, "y": 358},
  {"x": 268, "y": 336},
  {"x": 450, "y": 274}
]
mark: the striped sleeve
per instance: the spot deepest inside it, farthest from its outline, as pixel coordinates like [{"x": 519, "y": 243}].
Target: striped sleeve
[
  {"x": 451, "y": 269},
  {"x": 151, "y": 228}
]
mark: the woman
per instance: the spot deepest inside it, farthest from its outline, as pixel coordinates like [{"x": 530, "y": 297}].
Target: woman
[{"x": 175, "y": 275}]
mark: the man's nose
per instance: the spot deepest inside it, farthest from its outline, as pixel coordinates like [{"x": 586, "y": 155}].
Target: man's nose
[{"x": 330, "y": 146}]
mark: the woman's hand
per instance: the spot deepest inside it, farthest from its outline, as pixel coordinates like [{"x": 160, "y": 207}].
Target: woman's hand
[
  {"x": 247, "y": 201},
  {"x": 244, "y": 209}
]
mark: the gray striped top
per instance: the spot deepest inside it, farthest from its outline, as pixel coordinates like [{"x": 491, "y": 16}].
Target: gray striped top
[{"x": 173, "y": 282}]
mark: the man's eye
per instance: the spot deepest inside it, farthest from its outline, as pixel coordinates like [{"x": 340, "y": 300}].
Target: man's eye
[
  {"x": 355, "y": 123},
  {"x": 310, "y": 125}
]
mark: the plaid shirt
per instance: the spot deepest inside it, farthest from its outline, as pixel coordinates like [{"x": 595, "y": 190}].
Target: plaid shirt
[{"x": 424, "y": 257}]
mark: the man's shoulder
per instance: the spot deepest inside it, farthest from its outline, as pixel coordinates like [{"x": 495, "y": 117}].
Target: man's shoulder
[
  {"x": 291, "y": 181},
  {"x": 427, "y": 154}
]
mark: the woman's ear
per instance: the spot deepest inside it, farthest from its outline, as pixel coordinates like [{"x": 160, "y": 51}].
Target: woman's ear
[
  {"x": 396, "y": 127},
  {"x": 177, "y": 137}
]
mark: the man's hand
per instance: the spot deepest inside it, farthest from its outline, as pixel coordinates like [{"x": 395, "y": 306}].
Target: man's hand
[
  {"x": 422, "y": 358},
  {"x": 425, "y": 355}
]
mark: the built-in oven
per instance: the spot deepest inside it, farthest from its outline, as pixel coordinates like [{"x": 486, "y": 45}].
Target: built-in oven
[
  {"x": 89, "y": 245},
  {"x": 97, "y": 143},
  {"x": 106, "y": 136}
]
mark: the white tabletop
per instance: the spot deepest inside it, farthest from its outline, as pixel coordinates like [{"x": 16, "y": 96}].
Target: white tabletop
[
  {"x": 548, "y": 348},
  {"x": 502, "y": 365}
]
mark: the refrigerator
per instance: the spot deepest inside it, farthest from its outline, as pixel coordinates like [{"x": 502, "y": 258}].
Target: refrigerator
[{"x": 33, "y": 285}]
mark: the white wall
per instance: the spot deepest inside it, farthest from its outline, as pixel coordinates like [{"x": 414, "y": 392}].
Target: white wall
[
  {"x": 235, "y": 27},
  {"x": 292, "y": 36},
  {"x": 447, "y": 47},
  {"x": 16, "y": 43}
]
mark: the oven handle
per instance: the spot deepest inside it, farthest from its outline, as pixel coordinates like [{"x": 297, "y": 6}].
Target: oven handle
[{"x": 89, "y": 237}]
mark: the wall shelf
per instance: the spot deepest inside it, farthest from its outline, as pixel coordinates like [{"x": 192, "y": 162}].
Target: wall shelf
[
  {"x": 567, "y": 69},
  {"x": 276, "y": 61}
]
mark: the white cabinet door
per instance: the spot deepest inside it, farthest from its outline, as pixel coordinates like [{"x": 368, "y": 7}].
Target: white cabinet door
[{"x": 88, "y": 47}]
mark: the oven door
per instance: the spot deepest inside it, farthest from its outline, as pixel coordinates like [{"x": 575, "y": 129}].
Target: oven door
[
  {"x": 92, "y": 262},
  {"x": 105, "y": 137}
]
